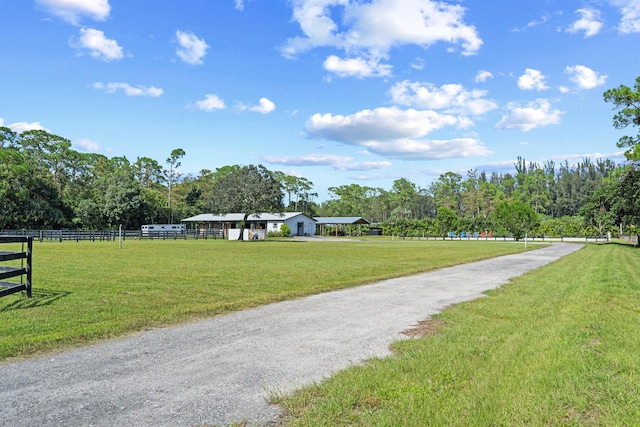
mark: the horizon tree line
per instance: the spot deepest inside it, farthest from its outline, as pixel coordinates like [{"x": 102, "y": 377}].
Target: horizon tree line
[
  {"x": 44, "y": 183},
  {"x": 47, "y": 184}
]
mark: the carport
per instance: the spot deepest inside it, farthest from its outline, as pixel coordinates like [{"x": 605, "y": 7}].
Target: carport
[{"x": 340, "y": 224}]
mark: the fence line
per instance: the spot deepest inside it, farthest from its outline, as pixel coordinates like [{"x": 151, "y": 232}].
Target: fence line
[
  {"x": 503, "y": 238},
  {"x": 112, "y": 235}
]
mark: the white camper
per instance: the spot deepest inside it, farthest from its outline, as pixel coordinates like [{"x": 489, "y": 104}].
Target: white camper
[{"x": 163, "y": 229}]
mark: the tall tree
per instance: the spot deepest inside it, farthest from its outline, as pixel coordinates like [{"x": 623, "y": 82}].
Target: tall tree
[
  {"x": 124, "y": 202},
  {"x": 479, "y": 199},
  {"x": 627, "y": 101},
  {"x": 297, "y": 189},
  {"x": 148, "y": 172},
  {"x": 626, "y": 189},
  {"x": 28, "y": 196},
  {"x": 349, "y": 200},
  {"x": 617, "y": 202},
  {"x": 8, "y": 138},
  {"x": 447, "y": 191},
  {"x": 405, "y": 194},
  {"x": 174, "y": 162},
  {"x": 249, "y": 190}
]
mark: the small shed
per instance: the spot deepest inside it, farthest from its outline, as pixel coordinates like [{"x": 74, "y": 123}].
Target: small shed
[
  {"x": 340, "y": 223},
  {"x": 258, "y": 224}
]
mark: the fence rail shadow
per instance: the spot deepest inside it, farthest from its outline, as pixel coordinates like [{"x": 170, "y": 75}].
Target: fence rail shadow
[{"x": 39, "y": 298}]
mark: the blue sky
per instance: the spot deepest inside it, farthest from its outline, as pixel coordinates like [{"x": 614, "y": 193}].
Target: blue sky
[{"x": 336, "y": 91}]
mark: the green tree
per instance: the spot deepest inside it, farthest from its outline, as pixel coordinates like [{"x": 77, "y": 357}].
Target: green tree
[
  {"x": 617, "y": 202},
  {"x": 447, "y": 191},
  {"x": 29, "y": 198},
  {"x": 223, "y": 171},
  {"x": 628, "y": 192},
  {"x": 8, "y": 138},
  {"x": 88, "y": 215},
  {"x": 148, "y": 172},
  {"x": 172, "y": 175},
  {"x": 251, "y": 189},
  {"x": 627, "y": 101},
  {"x": 626, "y": 189},
  {"x": 516, "y": 217},
  {"x": 298, "y": 191},
  {"x": 381, "y": 206},
  {"x": 155, "y": 202},
  {"x": 124, "y": 202},
  {"x": 411, "y": 202},
  {"x": 446, "y": 221},
  {"x": 349, "y": 200}
]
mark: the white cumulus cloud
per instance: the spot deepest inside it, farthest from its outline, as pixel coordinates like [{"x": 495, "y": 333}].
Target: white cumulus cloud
[
  {"x": 20, "y": 127},
  {"x": 97, "y": 44},
  {"x": 483, "y": 76},
  {"x": 356, "y": 67},
  {"x": 264, "y": 107},
  {"x": 128, "y": 89},
  {"x": 630, "y": 11},
  {"x": 210, "y": 102},
  {"x": 590, "y": 22},
  {"x": 452, "y": 98},
  {"x": 89, "y": 145},
  {"x": 422, "y": 149},
  {"x": 72, "y": 11},
  {"x": 532, "y": 79},
  {"x": 367, "y": 38},
  {"x": 585, "y": 77},
  {"x": 336, "y": 162},
  {"x": 535, "y": 114},
  {"x": 191, "y": 49},
  {"x": 379, "y": 124},
  {"x": 395, "y": 133}
]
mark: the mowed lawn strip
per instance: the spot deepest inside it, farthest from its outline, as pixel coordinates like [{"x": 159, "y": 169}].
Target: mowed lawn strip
[
  {"x": 88, "y": 291},
  {"x": 557, "y": 346}
]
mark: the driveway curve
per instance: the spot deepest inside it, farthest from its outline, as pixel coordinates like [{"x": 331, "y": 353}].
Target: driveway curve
[{"x": 222, "y": 370}]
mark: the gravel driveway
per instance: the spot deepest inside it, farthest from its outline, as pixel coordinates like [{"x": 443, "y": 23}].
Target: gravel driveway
[{"x": 221, "y": 370}]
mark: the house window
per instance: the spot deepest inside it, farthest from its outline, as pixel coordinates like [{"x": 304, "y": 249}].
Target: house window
[{"x": 275, "y": 226}]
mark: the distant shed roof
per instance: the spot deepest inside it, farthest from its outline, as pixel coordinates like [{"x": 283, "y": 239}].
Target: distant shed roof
[{"x": 335, "y": 220}]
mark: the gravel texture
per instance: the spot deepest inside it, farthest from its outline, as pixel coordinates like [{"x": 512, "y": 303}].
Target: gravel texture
[{"x": 222, "y": 370}]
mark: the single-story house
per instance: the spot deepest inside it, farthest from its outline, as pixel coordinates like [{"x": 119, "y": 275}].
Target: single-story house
[
  {"x": 256, "y": 227},
  {"x": 340, "y": 223}
]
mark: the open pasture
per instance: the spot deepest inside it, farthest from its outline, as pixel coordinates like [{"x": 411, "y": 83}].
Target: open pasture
[
  {"x": 557, "y": 346},
  {"x": 88, "y": 291}
]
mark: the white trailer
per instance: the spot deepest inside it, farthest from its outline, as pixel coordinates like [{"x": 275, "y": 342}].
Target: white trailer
[{"x": 163, "y": 229}]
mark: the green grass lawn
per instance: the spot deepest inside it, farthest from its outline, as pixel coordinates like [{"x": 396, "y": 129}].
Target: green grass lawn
[
  {"x": 557, "y": 346},
  {"x": 88, "y": 291}
]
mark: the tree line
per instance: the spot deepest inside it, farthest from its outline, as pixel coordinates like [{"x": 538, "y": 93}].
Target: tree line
[
  {"x": 44, "y": 183},
  {"x": 556, "y": 194}
]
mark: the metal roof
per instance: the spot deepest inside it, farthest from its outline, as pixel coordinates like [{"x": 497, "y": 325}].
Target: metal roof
[
  {"x": 235, "y": 217},
  {"x": 322, "y": 220}
]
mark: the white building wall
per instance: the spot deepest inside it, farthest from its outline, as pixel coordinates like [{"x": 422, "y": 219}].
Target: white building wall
[
  {"x": 308, "y": 227},
  {"x": 274, "y": 226}
]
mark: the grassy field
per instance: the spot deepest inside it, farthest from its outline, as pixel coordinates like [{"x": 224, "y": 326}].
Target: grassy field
[
  {"x": 558, "y": 346},
  {"x": 88, "y": 291}
]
